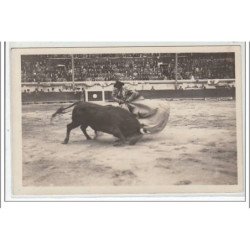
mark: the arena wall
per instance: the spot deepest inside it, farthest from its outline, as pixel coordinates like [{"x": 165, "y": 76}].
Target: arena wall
[
  {"x": 101, "y": 91},
  {"x": 149, "y": 94}
]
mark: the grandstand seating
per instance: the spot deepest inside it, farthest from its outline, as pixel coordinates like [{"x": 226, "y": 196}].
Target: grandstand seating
[{"x": 107, "y": 67}]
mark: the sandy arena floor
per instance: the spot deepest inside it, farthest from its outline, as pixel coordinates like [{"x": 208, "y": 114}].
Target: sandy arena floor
[{"x": 198, "y": 146}]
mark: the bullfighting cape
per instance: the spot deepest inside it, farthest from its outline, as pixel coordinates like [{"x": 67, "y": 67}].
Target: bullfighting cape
[{"x": 152, "y": 114}]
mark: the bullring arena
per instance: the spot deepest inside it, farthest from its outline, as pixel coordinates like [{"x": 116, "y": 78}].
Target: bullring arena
[{"x": 197, "y": 146}]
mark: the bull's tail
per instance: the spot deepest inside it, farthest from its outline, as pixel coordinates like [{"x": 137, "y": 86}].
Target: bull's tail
[{"x": 61, "y": 110}]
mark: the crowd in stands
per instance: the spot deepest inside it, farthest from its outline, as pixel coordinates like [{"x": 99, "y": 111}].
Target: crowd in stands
[
  {"x": 206, "y": 66},
  {"x": 46, "y": 68},
  {"x": 109, "y": 67},
  {"x": 126, "y": 67}
]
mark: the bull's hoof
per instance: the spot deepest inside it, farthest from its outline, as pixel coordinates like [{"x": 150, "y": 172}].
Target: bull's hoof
[
  {"x": 65, "y": 142},
  {"x": 133, "y": 140},
  {"x": 118, "y": 144},
  {"x": 89, "y": 138}
]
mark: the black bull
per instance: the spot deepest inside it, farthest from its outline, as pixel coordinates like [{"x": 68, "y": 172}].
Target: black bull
[{"x": 108, "y": 119}]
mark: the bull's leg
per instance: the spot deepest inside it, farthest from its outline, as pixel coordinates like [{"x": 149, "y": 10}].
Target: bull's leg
[
  {"x": 117, "y": 132},
  {"x": 70, "y": 126},
  {"x": 83, "y": 128},
  {"x": 96, "y": 134},
  {"x": 134, "y": 139}
]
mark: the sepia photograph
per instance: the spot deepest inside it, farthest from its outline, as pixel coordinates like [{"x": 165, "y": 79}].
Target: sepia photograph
[
  {"x": 125, "y": 125},
  {"x": 126, "y": 120}
]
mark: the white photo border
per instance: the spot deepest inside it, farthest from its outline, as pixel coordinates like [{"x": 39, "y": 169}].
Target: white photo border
[{"x": 168, "y": 197}]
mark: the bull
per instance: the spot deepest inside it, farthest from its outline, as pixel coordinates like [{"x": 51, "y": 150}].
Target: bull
[{"x": 108, "y": 119}]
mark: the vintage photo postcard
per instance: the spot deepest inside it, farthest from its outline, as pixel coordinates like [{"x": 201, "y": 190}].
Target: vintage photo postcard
[{"x": 128, "y": 122}]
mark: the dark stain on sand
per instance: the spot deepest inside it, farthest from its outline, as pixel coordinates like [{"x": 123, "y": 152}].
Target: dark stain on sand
[
  {"x": 183, "y": 182},
  {"x": 123, "y": 177},
  {"x": 165, "y": 159},
  {"x": 163, "y": 162}
]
